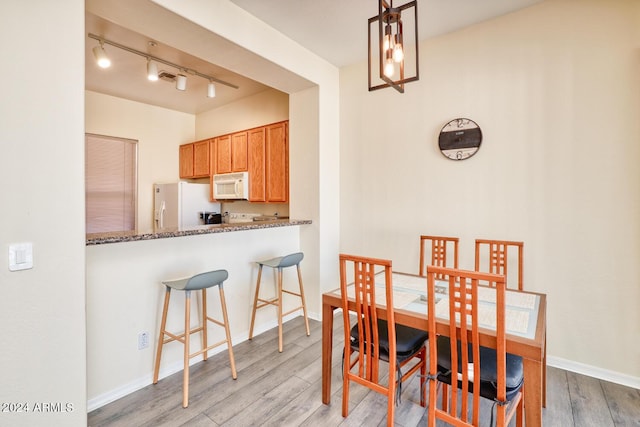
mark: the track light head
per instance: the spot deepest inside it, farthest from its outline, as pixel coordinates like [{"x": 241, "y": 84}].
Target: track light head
[
  {"x": 101, "y": 56},
  {"x": 152, "y": 70},
  {"x": 211, "y": 90},
  {"x": 181, "y": 82}
]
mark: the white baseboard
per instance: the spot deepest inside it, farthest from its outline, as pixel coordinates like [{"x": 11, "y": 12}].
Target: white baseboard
[
  {"x": 140, "y": 383},
  {"x": 595, "y": 372}
]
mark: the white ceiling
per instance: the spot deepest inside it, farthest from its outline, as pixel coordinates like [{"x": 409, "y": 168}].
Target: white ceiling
[{"x": 335, "y": 30}]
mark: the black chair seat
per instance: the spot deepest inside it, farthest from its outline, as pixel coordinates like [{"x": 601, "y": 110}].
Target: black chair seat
[
  {"x": 488, "y": 369},
  {"x": 408, "y": 340}
]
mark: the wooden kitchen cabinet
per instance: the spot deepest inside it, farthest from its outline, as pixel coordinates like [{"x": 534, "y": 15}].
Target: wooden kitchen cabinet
[
  {"x": 262, "y": 151},
  {"x": 223, "y": 154},
  {"x": 186, "y": 161},
  {"x": 194, "y": 160},
  {"x": 239, "y": 152},
  {"x": 201, "y": 159},
  {"x": 231, "y": 153},
  {"x": 256, "y": 158},
  {"x": 277, "y": 162}
]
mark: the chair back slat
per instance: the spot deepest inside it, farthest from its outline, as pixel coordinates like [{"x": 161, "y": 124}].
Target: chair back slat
[
  {"x": 492, "y": 256},
  {"x": 443, "y": 250},
  {"x": 360, "y": 272},
  {"x": 463, "y": 345}
]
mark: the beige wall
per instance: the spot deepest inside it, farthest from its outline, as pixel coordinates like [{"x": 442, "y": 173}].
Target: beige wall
[
  {"x": 42, "y": 310},
  {"x": 555, "y": 90},
  {"x": 263, "y": 108}
]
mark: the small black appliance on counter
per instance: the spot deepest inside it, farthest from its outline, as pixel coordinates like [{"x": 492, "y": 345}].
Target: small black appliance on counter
[{"x": 211, "y": 218}]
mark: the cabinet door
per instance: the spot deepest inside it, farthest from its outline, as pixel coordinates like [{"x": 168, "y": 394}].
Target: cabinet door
[
  {"x": 212, "y": 163},
  {"x": 186, "y": 161},
  {"x": 239, "y": 152},
  {"x": 277, "y": 164},
  {"x": 201, "y": 159},
  {"x": 256, "y": 163},
  {"x": 223, "y": 154}
]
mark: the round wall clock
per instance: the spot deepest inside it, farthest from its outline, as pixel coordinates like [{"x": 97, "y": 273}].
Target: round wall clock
[{"x": 460, "y": 139}]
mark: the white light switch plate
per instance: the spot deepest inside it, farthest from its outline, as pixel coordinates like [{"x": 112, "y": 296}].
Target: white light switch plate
[{"x": 20, "y": 256}]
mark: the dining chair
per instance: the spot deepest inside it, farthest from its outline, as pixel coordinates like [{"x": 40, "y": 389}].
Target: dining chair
[
  {"x": 440, "y": 252},
  {"x": 374, "y": 334},
  {"x": 495, "y": 254},
  {"x": 477, "y": 371}
]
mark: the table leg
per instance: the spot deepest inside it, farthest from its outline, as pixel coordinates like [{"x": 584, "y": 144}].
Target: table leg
[
  {"x": 533, "y": 371},
  {"x": 327, "y": 345},
  {"x": 544, "y": 371}
]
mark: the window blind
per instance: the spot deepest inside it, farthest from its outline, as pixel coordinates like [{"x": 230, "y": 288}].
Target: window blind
[{"x": 110, "y": 183}]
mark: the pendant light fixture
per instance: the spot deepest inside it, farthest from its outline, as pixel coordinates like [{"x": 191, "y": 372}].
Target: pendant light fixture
[
  {"x": 388, "y": 51},
  {"x": 211, "y": 90}
]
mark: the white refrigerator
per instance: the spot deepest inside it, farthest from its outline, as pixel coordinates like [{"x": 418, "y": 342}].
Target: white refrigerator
[{"x": 179, "y": 205}]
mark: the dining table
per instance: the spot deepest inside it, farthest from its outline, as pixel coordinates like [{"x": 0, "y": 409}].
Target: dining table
[{"x": 525, "y": 326}]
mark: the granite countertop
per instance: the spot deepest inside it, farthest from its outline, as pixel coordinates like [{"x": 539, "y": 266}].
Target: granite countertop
[{"x": 131, "y": 236}]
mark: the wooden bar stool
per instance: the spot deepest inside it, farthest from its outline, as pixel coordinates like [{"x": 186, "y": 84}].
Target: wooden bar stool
[
  {"x": 198, "y": 282},
  {"x": 279, "y": 263}
]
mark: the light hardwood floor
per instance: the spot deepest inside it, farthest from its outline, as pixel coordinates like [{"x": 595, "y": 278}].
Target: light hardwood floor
[{"x": 283, "y": 389}]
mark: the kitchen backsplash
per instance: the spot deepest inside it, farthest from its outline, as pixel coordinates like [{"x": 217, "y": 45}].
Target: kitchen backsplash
[{"x": 282, "y": 209}]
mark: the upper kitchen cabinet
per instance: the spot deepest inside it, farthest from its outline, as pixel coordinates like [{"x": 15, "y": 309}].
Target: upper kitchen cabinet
[
  {"x": 277, "y": 162},
  {"x": 194, "y": 160},
  {"x": 186, "y": 161},
  {"x": 223, "y": 154},
  {"x": 239, "y": 152},
  {"x": 256, "y": 158},
  {"x": 268, "y": 157},
  {"x": 231, "y": 153},
  {"x": 263, "y": 152}
]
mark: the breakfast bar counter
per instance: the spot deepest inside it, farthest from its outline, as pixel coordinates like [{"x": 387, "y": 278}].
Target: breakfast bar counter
[
  {"x": 131, "y": 236},
  {"x": 125, "y": 293}
]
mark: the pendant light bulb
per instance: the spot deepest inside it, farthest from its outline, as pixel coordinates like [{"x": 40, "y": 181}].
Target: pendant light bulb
[
  {"x": 211, "y": 90},
  {"x": 152, "y": 70},
  {"x": 386, "y": 40},
  {"x": 101, "y": 56},
  {"x": 398, "y": 53},
  {"x": 389, "y": 67}
]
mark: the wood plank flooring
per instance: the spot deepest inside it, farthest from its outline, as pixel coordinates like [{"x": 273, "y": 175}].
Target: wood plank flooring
[{"x": 283, "y": 389}]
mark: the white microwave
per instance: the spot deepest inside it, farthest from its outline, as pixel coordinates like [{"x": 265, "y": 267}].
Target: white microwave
[{"x": 234, "y": 186}]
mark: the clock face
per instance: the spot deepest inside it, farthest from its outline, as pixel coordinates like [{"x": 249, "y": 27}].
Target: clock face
[{"x": 460, "y": 139}]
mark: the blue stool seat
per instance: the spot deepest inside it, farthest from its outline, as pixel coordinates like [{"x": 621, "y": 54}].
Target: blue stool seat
[
  {"x": 278, "y": 264},
  {"x": 199, "y": 282}
]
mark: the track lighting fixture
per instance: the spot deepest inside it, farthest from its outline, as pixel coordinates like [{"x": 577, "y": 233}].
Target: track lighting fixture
[
  {"x": 152, "y": 66},
  {"x": 181, "y": 82},
  {"x": 101, "y": 56}
]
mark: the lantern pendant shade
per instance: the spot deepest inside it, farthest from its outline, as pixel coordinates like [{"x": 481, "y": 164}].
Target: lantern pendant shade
[{"x": 392, "y": 61}]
